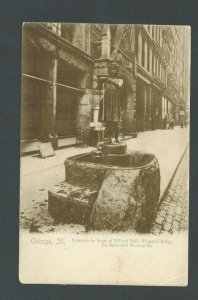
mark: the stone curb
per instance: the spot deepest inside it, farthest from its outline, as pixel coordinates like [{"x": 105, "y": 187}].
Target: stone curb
[{"x": 171, "y": 178}]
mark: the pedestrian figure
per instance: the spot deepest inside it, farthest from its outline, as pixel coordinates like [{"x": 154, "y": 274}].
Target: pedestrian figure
[
  {"x": 168, "y": 121},
  {"x": 165, "y": 122},
  {"x": 110, "y": 105},
  {"x": 182, "y": 123},
  {"x": 172, "y": 123}
]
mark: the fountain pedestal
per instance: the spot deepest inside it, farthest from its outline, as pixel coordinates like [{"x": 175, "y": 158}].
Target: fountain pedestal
[{"x": 115, "y": 154}]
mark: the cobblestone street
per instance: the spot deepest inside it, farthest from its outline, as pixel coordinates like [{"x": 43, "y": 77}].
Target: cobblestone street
[{"x": 172, "y": 215}]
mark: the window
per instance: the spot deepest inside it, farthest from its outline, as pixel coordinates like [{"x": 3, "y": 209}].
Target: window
[
  {"x": 55, "y": 27},
  {"x": 139, "y": 48},
  {"x": 154, "y": 62},
  {"x": 153, "y": 32},
  {"x": 148, "y": 58},
  {"x": 67, "y": 31},
  {"x": 159, "y": 70},
  {"x": 156, "y": 33},
  {"x": 143, "y": 52},
  {"x": 160, "y": 36},
  {"x": 145, "y": 55}
]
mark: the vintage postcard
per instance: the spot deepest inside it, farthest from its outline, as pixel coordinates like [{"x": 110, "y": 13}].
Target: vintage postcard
[{"x": 104, "y": 177}]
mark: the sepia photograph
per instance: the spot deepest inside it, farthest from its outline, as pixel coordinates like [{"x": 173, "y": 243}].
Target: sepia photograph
[{"x": 104, "y": 167}]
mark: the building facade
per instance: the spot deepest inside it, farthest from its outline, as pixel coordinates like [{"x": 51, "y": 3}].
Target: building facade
[
  {"x": 62, "y": 65},
  {"x": 161, "y": 78}
]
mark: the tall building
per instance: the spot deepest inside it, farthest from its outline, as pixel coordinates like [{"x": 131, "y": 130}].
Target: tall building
[
  {"x": 62, "y": 65},
  {"x": 184, "y": 96},
  {"x": 160, "y": 78}
]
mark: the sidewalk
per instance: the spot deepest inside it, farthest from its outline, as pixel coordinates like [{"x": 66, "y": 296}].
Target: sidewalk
[{"x": 34, "y": 164}]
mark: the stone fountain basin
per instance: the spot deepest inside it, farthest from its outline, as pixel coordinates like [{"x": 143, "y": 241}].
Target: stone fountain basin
[
  {"x": 88, "y": 171},
  {"x": 109, "y": 197}
]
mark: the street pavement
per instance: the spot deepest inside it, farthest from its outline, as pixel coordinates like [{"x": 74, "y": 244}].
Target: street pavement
[
  {"x": 172, "y": 215},
  {"x": 38, "y": 175}
]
